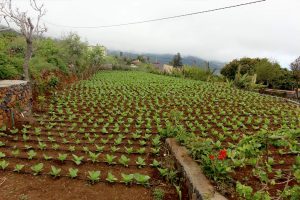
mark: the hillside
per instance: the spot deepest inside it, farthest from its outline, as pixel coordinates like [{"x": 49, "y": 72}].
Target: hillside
[{"x": 166, "y": 58}]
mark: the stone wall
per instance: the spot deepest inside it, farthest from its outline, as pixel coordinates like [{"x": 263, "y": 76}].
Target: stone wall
[{"x": 15, "y": 101}]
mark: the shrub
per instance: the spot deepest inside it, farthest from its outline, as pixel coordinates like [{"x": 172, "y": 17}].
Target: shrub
[{"x": 8, "y": 72}]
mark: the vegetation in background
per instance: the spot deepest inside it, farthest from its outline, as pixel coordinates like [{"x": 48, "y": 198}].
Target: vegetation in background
[
  {"x": 177, "y": 61},
  {"x": 28, "y": 28},
  {"x": 295, "y": 66},
  {"x": 267, "y": 73},
  {"x": 51, "y": 61}
]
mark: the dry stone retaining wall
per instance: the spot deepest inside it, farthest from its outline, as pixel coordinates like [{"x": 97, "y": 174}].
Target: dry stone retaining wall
[{"x": 15, "y": 101}]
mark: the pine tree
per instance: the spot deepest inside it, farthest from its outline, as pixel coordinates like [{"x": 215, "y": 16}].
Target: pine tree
[{"x": 177, "y": 61}]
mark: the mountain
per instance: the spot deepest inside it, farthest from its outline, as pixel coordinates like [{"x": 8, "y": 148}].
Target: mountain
[{"x": 166, "y": 58}]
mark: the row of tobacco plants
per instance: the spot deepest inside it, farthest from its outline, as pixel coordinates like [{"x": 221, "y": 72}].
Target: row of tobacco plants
[{"x": 110, "y": 128}]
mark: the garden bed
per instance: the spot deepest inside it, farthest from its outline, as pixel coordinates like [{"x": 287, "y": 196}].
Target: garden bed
[{"x": 110, "y": 129}]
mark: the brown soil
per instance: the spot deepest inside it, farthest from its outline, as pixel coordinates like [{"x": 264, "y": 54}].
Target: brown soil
[{"x": 22, "y": 186}]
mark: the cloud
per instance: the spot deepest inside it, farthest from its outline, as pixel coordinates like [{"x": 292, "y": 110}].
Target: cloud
[{"x": 270, "y": 29}]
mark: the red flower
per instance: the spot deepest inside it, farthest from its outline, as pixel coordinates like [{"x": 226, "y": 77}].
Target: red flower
[
  {"x": 212, "y": 157},
  {"x": 222, "y": 154}
]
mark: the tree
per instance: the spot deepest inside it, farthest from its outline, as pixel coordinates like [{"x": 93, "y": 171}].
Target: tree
[
  {"x": 75, "y": 52},
  {"x": 246, "y": 65},
  {"x": 177, "y": 61},
  {"x": 267, "y": 72},
  {"x": 96, "y": 55},
  {"x": 141, "y": 58},
  {"x": 295, "y": 67},
  {"x": 26, "y": 26}
]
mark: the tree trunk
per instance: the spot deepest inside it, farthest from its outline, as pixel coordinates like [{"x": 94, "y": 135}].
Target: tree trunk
[
  {"x": 297, "y": 90},
  {"x": 27, "y": 59}
]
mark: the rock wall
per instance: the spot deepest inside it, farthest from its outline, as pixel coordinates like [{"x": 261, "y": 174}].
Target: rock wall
[{"x": 15, "y": 101}]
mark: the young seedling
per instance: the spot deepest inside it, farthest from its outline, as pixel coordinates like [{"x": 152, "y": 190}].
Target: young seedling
[
  {"x": 93, "y": 156},
  {"x": 85, "y": 149},
  {"x": 127, "y": 178},
  {"x": 77, "y": 159},
  {"x": 141, "y": 150},
  {"x": 4, "y": 164},
  {"x": 18, "y": 168},
  {"x": 124, "y": 160},
  {"x": 72, "y": 148},
  {"x": 114, "y": 149},
  {"x": 129, "y": 150},
  {"x": 38, "y": 168},
  {"x": 111, "y": 178},
  {"x": 73, "y": 173},
  {"x": 140, "y": 162},
  {"x": 163, "y": 172},
  {"x": 99, "y": 148},
  {"x": 94, "y": 176},
  {"x": 2, "y": 155},
  {"x": 62, "y": 157},
  {"x": 55, "y": 171},
  {"x": 31, "y": 154},
  {"x": 46, "y": 157},
  {"x": 110, "y": 159},
  {"x": 156, "y": 150},
  {"x": 142, "y": 179},
  {"x": 143, "y": 142},
  {"x": 2, "y": 144},
  {"x": 15, "y": 152},
  {"x": 155, "y": 163}
]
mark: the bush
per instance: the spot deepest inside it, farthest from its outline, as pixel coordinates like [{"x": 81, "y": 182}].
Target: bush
[
  {"x": 196, "y": 73},
  {"x": 53, "y": 81},
  {"x": 158, "y": 194},
  {"x": 8, "y": 72}
]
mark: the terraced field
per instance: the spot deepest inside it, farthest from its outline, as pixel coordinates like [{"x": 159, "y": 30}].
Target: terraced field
[{"x": 106, "y": 131}]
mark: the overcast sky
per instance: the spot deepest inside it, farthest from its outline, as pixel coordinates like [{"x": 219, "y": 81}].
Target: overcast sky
[{"x": 269, "y": 29}]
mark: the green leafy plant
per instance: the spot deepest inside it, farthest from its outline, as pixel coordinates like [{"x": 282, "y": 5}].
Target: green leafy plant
[
  {"x": 62, "y": 157},
  {"x": 127, "y": 178},
  {"x": 55, "y": 172},
  {"x": 31, "y": 154},
  {"x": 94, "y": 176},
  {"x": 142, "y": 179},
  {"x": 4, "y": 164},
  {"x": 2, "y": 155},
  {"x": 38, "y": 168},
  {"x": 93, "y": 156},
  {"x": 110, "y": 159},
  {"x": 124, "y": 160},
  {"x": 140, "y": 162},
  {"x": 18, "y": 168},
  {"x": 77, "y": 159},
  {"x": 111, "y": 178},
  {"x": 73, "y": 173},
  {"x": 158, "y": 194}
]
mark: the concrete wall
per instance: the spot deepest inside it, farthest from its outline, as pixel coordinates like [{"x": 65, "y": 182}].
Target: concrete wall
[{"x": 15, "y": 100}]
